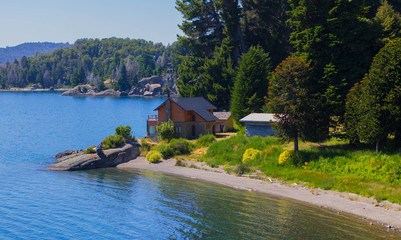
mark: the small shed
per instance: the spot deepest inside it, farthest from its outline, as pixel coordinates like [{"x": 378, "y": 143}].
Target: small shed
[
  {"x": 225, "y": 122},
  {"x": 259, "y": 124}
]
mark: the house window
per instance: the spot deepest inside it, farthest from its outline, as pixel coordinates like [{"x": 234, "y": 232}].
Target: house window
[
  {"x": 178, "y": 130},
  {"x": 193, "y": 118},
  {"x": 152, "y": 131}
]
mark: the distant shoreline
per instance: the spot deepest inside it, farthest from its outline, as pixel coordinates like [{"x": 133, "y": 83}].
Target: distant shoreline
[
  {"x": 387, "y": 214},
  {"x": 36, "y": 90}
]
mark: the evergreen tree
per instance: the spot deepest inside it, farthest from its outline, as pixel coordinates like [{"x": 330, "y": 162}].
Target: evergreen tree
[
  {"x": 379, "y": 106},
  {"x": 264, "y": 24},
  {"x": 251, "y": 83},
  {"x": 202, "y": 26},
  {"x": 217, "y": 78},
  {"x": 338, "y": 42},
  {"x": 389, "y": 20},
  {"x": 122, "y": 82},
  {"x": 297, "y": 108},
  {"x": 189, "y": 83}
]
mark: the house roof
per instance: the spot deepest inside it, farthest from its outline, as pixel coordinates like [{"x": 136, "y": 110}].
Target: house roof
[
  {"x": 259, "y": 118},
  {"x": 197, "y": 104},
  {"x": 222, "y": 115}
]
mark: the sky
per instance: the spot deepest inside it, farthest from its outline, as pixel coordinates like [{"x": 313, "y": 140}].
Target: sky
[{"x": 68, "y": 20}]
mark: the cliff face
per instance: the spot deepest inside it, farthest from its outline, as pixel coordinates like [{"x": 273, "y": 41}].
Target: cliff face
[
  {"x": 73, "y": 161},
  {"x": 152, "y": 86}
]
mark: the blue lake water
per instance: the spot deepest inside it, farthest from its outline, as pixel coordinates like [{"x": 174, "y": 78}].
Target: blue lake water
[{"x": 122, "y": 204}]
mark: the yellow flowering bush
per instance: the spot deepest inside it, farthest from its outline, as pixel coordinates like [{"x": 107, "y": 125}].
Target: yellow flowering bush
[
  {"x": 286, "y": 156},
  {"x": 251, "y": 155},
  {"x": 154, "y": 156}
]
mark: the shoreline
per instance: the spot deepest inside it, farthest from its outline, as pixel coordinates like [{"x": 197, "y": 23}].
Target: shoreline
[{"x": 384, "y": 213}]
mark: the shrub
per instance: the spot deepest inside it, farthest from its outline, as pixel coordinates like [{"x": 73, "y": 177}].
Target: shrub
[
  {"x": 181, "y": 146},
  {"x": 251, "y": 155},
  {"x": 125, "y": 132},
  {"x": 206, "y": 140},
  {"x": 90, "y": 150},
  {"x": 180, "y": 163},
  {"x": 113, "y": 141},
  {"x": 241, "y": 169},
  {"x": 153, "y": 157},
  {"x": 166, "y": 151},
  {"x": 165, "y": 130},
  {"x": 287, "y": 156}
]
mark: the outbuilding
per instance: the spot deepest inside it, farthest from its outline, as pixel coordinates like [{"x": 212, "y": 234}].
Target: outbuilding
[
  {"x": 224, "y": 123},
  {"x": 259, "y": 124}
]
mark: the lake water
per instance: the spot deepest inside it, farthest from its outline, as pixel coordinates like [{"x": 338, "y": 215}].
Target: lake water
[{"x": 122, "y": 204}]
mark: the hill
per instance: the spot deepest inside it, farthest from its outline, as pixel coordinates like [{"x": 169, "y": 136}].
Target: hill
[
  {"x": 107, "y": 63},
  {"x": 9, "y": 54}
]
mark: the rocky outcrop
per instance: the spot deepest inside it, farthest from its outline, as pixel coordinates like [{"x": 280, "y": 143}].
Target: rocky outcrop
[
  {"x": 90, "y": 91},
  {"x": 70, "y": 161},
  {"x": 152, "y": 86}
]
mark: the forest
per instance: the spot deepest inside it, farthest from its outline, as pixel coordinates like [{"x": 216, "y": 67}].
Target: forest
[
  {"x": 324, "y": 67},
  {"x": 92, "y": 61}
]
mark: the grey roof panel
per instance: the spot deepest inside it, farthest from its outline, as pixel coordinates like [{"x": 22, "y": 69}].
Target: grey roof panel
[
  {"x": 259, "y": 118},
  {"x": 222, "y": 115}
]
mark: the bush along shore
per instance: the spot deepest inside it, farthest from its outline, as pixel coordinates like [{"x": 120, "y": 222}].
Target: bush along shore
[
  {"x": 113, "y": 150},
  {"x": 330, "y": 165}
]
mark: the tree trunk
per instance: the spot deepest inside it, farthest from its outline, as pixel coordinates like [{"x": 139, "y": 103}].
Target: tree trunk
[
  {"x": 296, "y": 143},
  {"x": 377, "y": 146}
]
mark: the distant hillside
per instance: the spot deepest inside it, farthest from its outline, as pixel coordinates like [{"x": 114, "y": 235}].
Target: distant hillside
[{"x": 9, "y": 54}]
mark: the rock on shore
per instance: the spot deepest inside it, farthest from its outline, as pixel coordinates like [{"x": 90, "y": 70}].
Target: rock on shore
[
  {"x": 79, "y": 161},
  {"x": 152, "y": 86}
]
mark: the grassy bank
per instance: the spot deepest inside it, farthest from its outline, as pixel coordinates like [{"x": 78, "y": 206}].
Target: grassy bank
[{"x": 329, "y": 165}]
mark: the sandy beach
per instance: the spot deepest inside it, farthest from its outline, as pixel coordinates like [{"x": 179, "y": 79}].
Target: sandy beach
[{"x": 384, "y": 213}]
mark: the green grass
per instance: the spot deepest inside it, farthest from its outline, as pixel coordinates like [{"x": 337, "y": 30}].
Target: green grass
[{"x": 329, "y": 165}]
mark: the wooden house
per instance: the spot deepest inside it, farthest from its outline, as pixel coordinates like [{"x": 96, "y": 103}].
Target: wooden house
[
  {"x": 192, "y": 117},
  {"x": 259, "y": 124}
]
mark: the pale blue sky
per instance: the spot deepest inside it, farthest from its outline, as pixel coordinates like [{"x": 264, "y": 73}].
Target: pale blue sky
[{"x": 66, "y": 21}]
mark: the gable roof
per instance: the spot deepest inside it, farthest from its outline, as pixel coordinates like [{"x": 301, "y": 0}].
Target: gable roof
[
  {"x": 197, "y": 104},
  {"x": 222, "y": 115},
  {"x": 259, "y": 118}
]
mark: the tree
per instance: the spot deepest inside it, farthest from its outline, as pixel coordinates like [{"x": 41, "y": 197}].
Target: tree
[
  {"x": 217, "y": 78},
  {"x": 296, "y": 106},
  {"x": 264, "y": 24},
  {"x": 122, "y": 82},
  {"x": 338, "y": 42},
  {"x": 78, "y": 77},
  {"x": 379, "y": 106},
  {"x": 251, "y": 83},
  {"x": 165, "y": 130},
  {"x": 202, "y": 26},
  {"x": 389, "y": 20},
  {"x": 189, "y": 83}
]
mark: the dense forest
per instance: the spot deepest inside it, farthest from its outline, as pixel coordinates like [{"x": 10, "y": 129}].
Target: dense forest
[
  {"x": 302, "y": 59},
  {"x": 93, "y": 61},
  {"x": 9, "y": 54}
]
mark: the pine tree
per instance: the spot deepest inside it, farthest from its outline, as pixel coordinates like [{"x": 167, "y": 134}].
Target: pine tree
[
  {"x": 338, "y": 42},
  {"x": 251, "y": 83},
  {"x": 380, "y": 102},
  {"x": 202, "y": 26},
  {"x": 217, "y": 78},
  {"x": 389, "y": 20},
  {"x": 122, "y": 82}
]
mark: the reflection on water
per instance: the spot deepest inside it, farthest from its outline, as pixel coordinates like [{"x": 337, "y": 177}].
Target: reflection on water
[{"x": 181, "y": 208}]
